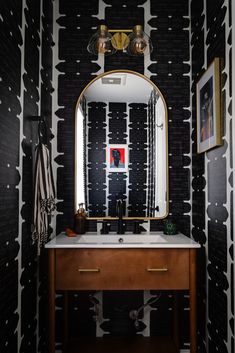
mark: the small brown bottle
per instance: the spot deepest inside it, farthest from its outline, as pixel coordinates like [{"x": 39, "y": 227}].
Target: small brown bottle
[{"x": 80, "y": 220}]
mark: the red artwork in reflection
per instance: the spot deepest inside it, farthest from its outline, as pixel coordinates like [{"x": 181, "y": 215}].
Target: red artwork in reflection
[{"x": 117, "y": 158}]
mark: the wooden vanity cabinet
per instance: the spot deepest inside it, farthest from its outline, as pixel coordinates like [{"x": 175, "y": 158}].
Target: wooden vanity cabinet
[
  {"x": 122, "y": 269},
  {"x": 115, "y": 269}
]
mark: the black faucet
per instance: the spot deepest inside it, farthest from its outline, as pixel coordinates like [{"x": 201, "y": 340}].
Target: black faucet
[{"x": 120, "y": 227}]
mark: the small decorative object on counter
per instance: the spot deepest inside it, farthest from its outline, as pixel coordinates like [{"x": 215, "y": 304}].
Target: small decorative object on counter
[
  {"x": 70, "y": 233},
  {"x": 80, "y": 220},
  {"x": 169, "y": 227}
]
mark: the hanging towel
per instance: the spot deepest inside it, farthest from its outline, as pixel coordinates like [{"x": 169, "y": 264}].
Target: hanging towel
[{"x": 44, "y": 195}]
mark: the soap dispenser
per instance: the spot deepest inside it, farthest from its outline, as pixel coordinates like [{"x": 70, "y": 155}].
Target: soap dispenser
[{"x": 80, "y": 220}]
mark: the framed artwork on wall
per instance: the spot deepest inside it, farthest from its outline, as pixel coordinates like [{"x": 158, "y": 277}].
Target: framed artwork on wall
[
  {"x": 209, "y": 132},
  {"x": 117, "y": 158}
]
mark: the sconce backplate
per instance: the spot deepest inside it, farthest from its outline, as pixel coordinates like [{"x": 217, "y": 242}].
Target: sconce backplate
[{"x": 120, "y": 41}]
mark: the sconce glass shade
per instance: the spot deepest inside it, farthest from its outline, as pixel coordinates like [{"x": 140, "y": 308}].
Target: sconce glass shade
[
  {"x": 139, "y": 42},
  {"x": 100, "y": 42}
]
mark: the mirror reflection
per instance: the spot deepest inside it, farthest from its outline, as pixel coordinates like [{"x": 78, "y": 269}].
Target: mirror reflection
[{"x": 121, "y": 147}]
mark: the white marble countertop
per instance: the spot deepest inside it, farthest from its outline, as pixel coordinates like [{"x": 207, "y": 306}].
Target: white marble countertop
[{"x": 118, "y": 241}]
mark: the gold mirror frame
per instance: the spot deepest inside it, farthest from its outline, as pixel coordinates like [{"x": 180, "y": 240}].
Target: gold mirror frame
[{"x": 166, "y": 136}]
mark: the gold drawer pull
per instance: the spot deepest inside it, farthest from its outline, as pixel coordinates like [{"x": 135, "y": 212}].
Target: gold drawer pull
[
  {"x": 157, "y": 269},
  {"x": 88, "y": 270}
]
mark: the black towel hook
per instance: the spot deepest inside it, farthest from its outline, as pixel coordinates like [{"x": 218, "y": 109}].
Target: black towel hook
[
  {"x": 42, "y": 130},
  {"x": 44, "y": 133}
]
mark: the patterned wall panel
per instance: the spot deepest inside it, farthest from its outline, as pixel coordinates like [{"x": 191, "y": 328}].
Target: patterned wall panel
[
  {"x": 169, "y": 68},
  {"x": 30, "y": 108},
  {"x": 198, "y": 179},
  {"x": 212, "y": 186},
  {"x": 117, "y": 134},
  {"x": 20, "y": 101},
  {"x": 10, "y": 108},
  {"x": 9, "y": 176},
  {"x": 219, "y": 169},
  {"x": 76, "y": 69},
  {"x": 96, "y": 158},
  {"x": 138, "y": 160},
  {"x": 45, "y": 107}
]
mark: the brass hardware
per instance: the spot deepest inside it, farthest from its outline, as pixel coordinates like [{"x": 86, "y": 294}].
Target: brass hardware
[
  {"x": 120, "y": 30},
  {"x": 138, "y": 29},
  {"x": 120, "y": 41},
  {"x": 103, "y": 29},
  {"x": 88, "y": 270},
  {"x": 107, "y": 41},
  {"x": 157, "y": 269}
]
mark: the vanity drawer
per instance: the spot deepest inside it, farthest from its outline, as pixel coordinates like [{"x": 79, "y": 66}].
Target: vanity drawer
[{"x": 113, "y": 269}]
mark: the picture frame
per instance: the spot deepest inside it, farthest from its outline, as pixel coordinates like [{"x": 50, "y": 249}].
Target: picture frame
[
  {"x": 208, "y": 93},
  {"x": 117, "y": 158}
]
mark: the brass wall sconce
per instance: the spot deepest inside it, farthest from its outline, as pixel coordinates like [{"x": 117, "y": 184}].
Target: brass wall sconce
[{"x": 136, "y": 43}]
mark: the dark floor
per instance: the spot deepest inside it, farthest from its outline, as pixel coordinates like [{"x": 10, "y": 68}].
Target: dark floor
[{"x": 122, "y": 345}]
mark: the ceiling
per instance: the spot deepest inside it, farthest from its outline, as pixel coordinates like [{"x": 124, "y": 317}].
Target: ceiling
[{"x": 119, "y": 87}]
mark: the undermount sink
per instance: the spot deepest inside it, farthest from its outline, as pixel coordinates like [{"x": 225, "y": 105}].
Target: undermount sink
[{"x": 121, "y": 239}]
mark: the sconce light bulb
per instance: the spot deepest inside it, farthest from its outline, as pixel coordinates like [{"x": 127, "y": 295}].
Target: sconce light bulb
[
  {"x": 139, "y": 46},
  {"x": 137, "y": 43},
  {"x": 102, "y": 45},
  {"x": 100, "y": 42},
  {"x": 140, "y": 43},
  {"x": 103, "y": 40}
]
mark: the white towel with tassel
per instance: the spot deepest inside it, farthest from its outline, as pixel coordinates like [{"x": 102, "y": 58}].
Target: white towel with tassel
[{"x": 44, "y": 195}]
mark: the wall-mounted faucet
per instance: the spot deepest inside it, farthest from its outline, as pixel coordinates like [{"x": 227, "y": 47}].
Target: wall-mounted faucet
[{"x": 120, "y": 227}]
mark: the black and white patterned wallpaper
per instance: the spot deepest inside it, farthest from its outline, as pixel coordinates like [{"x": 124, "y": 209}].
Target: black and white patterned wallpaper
[
  {"x": 25, "y": 81},
  {"x": 117, "y": 123},
  {"x": 168, "y": 67},
  {"x": 184, "y": 37},
  {"x": 212, "y": 183}
]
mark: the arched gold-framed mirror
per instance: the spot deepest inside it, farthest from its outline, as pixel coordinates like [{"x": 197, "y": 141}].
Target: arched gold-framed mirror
[{"x": 121, "y": 147}]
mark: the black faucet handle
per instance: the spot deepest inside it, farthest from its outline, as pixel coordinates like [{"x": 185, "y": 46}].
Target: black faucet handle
[
  {"x": 137, "y": 227},
  {"x": 105, "y": 227}
]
